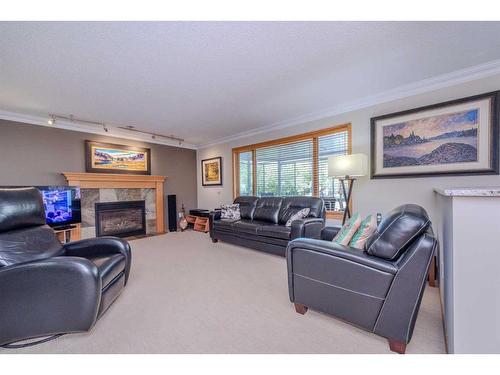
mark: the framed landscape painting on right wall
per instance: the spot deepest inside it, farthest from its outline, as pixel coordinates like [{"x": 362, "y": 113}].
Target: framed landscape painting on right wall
[{"x": 458, "y": 137}]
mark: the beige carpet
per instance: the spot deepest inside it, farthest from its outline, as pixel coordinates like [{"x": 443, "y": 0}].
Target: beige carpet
[{"x": 187, "y": 295}]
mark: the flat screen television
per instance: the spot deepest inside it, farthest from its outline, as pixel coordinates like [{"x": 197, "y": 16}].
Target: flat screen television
[{"x": 62, "y": 205}]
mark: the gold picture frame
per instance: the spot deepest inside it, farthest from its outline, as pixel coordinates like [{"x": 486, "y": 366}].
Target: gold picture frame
[{"x": 211, "y": 172}]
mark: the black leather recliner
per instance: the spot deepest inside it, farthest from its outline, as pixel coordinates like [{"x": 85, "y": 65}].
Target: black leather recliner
[
  {"x": 47, "y": 288},
  {"x": 262, "y": 225},
  {"x": 379, "y": 288}
]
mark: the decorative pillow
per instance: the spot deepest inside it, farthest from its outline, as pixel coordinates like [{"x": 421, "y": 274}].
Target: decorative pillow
[
  {"x": 347, "y": 231},
  {"x": 298, "y": 215},
  {"x": 230, "y": 211},
  {"x": 367, "y": 227}
]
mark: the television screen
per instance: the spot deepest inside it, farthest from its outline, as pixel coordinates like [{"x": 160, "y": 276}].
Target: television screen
[{"x": 62, "y": 205}]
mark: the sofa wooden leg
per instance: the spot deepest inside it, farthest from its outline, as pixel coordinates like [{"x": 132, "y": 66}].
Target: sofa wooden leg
[
  {"x": 215, "y": 240},
  {"x": 432, "y": 273},
  {"x": 300, "y": 308},
  {"x": 397, "y": 346}
]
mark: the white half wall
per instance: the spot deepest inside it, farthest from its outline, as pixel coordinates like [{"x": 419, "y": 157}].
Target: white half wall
[{"x": 369, "y": 196}]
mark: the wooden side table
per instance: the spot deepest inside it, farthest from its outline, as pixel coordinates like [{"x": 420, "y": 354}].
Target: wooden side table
[
  {"x": 70, "y": 234},
  {"x": 200, "y": 224}
]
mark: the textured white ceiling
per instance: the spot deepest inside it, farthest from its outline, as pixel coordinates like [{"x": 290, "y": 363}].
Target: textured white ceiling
[{"x": 203, "y": 81}]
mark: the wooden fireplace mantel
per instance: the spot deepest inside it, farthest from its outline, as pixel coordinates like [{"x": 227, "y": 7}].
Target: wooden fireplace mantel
[{"x": 122, "y": 181}]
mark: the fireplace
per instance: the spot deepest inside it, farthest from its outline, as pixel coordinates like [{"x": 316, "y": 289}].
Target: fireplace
[{"x": 121, "y": 219}]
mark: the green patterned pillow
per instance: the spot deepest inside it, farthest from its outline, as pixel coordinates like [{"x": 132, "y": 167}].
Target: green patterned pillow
[
  {"x": 347, "y": 231},
  {"x": 367, "y": 227}
]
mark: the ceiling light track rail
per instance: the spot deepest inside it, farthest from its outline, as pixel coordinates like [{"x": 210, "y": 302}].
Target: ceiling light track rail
[
  {"x": 54, "y": 117},
  {"x": 153, "y": 135}
]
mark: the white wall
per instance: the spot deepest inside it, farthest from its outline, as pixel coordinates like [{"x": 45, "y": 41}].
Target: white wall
[{"x": 369, "y": 196}]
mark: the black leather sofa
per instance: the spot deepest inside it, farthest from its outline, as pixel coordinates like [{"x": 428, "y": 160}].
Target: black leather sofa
[
  {"x": 262, "y": 225},
  {"x": 46, "y": 288},
  {"x": 379, "y": 288}
]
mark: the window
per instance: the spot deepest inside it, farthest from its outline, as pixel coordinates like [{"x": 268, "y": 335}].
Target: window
[
  {"x": 330, "y": 189},
  {"x": 295, "y": 165},
  {"x": 285, "y": 169},
  {"x": 246, "y": 176}
]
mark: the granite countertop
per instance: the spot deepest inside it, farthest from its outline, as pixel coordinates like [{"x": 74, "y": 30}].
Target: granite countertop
[{"x": 469, "y": 191}]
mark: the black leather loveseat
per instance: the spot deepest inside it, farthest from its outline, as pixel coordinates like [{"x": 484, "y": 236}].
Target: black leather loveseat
[
  {"x": 262, "y": 223},
  {"x": 47, "y": 288},
  {"x": 378, "y": 288}
]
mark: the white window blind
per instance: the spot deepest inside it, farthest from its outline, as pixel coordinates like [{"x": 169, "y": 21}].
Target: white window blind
[
  {"x": 289, "y": 168},
  {"x": 330, "y": 189},
  {"x": 285, "y": 169},
  {"x": 246, "y": 173}
]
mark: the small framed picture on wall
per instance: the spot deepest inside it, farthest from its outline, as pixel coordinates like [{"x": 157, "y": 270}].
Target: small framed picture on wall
[{"x": 211, "y": 172}]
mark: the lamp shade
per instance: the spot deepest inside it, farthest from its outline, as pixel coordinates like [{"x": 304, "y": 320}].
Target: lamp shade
[{"x": 353, "y": 165}]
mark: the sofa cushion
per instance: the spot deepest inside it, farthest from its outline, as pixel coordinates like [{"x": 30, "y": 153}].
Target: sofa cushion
[
  {"x": 397, "y": 230},
  {"x": 224, "y": 224},
  {"x": 247, "y": 206},
  {"x": 20, "y": 208},
  {"x": 268, "y": 209},
  {"x": 28, "y": 244},
  {"x": 292, "y": 205},
  {"x": 109, "y": 266},
  {"x": 274, "y": 231},
  {"x": 245, "y": 226}
]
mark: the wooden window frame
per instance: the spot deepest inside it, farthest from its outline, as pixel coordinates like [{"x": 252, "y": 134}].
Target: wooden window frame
[{"x": 314, "y": 135}]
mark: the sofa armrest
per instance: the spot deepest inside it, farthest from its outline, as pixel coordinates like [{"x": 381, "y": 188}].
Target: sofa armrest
[
  {"x": 101, "y": 246},
  {"x": 329, "y": 233},
  {"x": 213, "y": 216},
  {"x": 47, "y": 297},
  {"x": 338, "y": 280},
  {"x": 307, "y": 228},
  {"x": 399, "y": 312},
  {"x": 345, "y": 252}
]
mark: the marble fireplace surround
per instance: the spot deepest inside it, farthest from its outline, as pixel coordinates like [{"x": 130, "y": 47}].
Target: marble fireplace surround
[
  {"x": 108, "y": 187},
  {"x": 89, "y": 197}
]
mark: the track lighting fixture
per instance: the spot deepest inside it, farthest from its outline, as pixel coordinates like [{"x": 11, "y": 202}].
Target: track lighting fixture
[
  {"x": 129, "y": 128},
  {"x": 152, "y": 135}
]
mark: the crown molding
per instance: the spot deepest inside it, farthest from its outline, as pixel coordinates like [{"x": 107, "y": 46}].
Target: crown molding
[
  {"x": 427, "y": 85},
  {"x": 68, "y": 125}
]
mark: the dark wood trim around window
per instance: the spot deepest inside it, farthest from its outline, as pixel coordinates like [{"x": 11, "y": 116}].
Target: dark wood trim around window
[{"x": 281, "y": 141}]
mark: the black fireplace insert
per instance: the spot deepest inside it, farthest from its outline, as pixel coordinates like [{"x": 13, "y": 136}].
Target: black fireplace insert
[{"x": 121, "y": 219}]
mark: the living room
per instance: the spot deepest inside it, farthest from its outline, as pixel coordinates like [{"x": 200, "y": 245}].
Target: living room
[{"x": 249, "y": 187}]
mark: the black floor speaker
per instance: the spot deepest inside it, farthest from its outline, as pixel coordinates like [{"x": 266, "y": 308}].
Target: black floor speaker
[{"x": 172, "y": 212}]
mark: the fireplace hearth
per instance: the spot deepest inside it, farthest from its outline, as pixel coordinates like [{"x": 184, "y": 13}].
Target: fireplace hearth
[{"x": 121, "y": 219}]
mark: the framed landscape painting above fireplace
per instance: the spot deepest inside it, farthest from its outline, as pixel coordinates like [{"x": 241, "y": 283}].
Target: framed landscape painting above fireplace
[
  {"x": 452, "y": 138},
  {"x": 110, "y": 158}
]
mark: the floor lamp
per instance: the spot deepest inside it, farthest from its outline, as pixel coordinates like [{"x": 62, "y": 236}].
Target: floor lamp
[{"x": 346, "y": 168}]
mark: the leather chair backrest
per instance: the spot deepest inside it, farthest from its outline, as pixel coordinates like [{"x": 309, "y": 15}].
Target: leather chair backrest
[
  {"x": 291, "y": 205},
  {"x": 397, "y": 231},
  {"x": 20, "y": 208},
  {"x": 268, "y": 209},
  {"x": 247, "y": 206}
]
